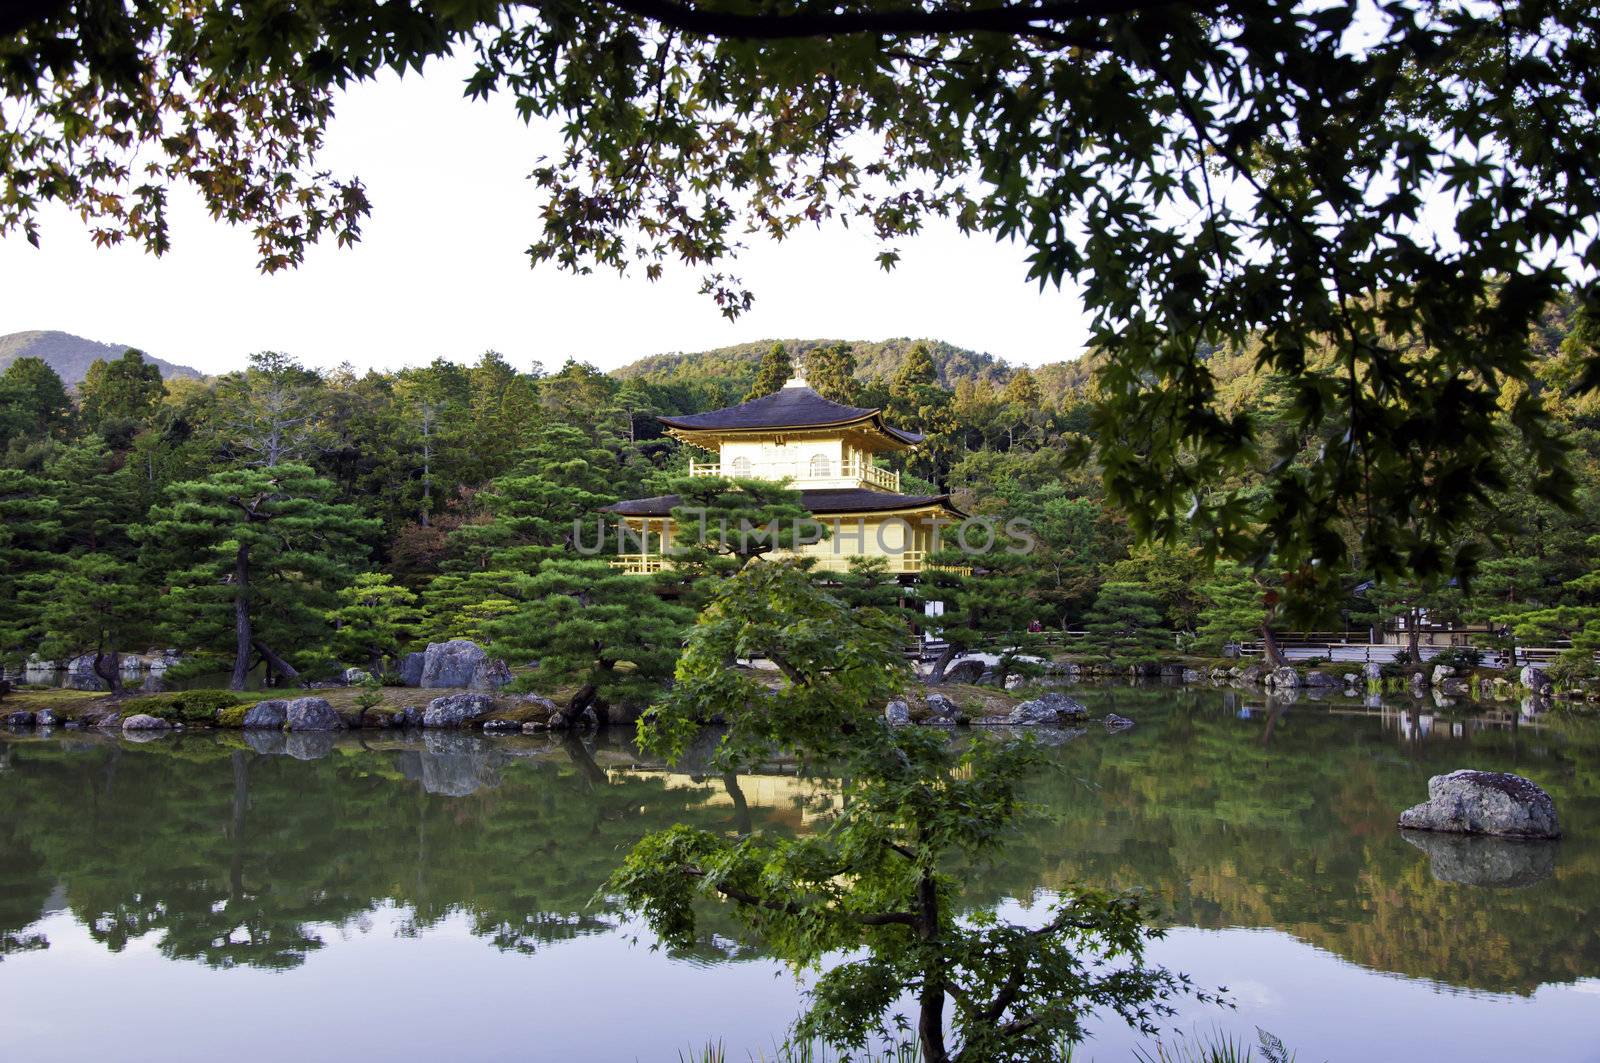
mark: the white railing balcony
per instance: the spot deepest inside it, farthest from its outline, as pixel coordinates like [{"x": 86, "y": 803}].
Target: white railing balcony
[{"x": 804, "y": 474}]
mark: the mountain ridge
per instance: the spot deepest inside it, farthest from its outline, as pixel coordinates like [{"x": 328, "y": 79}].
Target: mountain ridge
[{"x": 70, "y": 356}]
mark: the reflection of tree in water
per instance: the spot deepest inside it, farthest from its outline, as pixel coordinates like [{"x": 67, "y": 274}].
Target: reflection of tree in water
[
  {"x": 1299, "y": 833},
  {"x": 238, "y": 857}
]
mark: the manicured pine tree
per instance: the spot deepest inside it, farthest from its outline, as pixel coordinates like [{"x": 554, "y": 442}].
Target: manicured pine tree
[
  {"x": 1234, "y": 609},
  {"x": 988, "y": 600},
  {"x": 29, "y": 530},
  {"x": 585, "y": 622},
  {"x": 774, "y": 372},
  {"x": 254, "y": 558},
  {"x": 98, "y": 497},
  {"x": 375, "y": 620},
  {"x": 560, "y": 478},
  {"x": 92, "y": 604},
  {"x": 720, "y": 524},
  {"x": 1125, "y": 625}
]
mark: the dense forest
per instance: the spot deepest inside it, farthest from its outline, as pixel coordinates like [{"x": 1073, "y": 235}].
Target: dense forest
[{"x": 301, "y": 521}]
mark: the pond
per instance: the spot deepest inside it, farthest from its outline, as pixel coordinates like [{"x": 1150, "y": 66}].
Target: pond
[{"x": 432, "y": 896}]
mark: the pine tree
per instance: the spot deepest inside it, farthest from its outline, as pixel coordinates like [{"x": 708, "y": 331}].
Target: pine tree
[
  {"x": 830, "y": 372},
  {"x": 254, "y": 557},
  {"x": 988, "y": 601},
  {"x": 118, "y": 397},
  {"x": 1234, "y": 608},
  {"x": 720, "y": 525},
  {"x": 94, "y": 604},
  {"x": 774, "y": 372},
  {"x": 585, "y": 622},
  {"x": 1125, "y": 625},
  {"x": 374, "y": 621},
  {"x": 29, "y": 529}
]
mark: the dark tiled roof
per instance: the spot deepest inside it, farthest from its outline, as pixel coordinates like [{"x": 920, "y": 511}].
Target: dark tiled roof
[
  {"x": 826, "y": 502},
  {"x": 790, "y": 407}
]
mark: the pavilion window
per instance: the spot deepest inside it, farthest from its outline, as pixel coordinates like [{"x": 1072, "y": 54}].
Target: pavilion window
[
  {"x": 741, "y": 467},
  {"x": 821, "y": 467}
]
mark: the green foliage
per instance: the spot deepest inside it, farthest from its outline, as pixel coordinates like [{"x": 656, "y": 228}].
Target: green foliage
[
  {"x": 28, "y": 529},
  {"x": 1234, "y": 608},
  {"x": 830, "y": 372},
  {"x": 375, "y": 620},
  {"x": 92, "y": 604},
  {"x": 120, "y": 396},
  {"x": 878, "y": 880},
  {"x": 1125, "y": 625},
  {"x": 185, "y": 706},
  {"x": 254, "y": 558},
  {"x": 587, "y": 623},
  {"x": 774, "y": 372},
  {"x": 33, "y": 402}
]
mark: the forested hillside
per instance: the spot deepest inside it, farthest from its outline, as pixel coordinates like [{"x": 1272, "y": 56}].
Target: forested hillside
[
  {"x": 71, "y": 356},
  {"x": 441, "y": 499}
]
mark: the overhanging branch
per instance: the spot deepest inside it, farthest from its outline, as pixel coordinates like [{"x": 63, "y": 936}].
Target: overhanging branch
[{"x": 1014, "y": 19}]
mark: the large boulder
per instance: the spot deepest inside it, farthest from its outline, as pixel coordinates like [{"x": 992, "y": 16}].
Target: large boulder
[
  {"x": 144, "y": 722},
  {"x": 312, "y": 714},
  {"x": 897, "y": 713},
  {"x": 1534, "y": 679},
  {"x": 45, "y": 718},
  {"x": 410, "y": 670},
  {"x": 967, "y": 671},
  {"x": 457, "y": 710},
  {"x": 1252, "y": 675},
  {"x": 941, "y": 709},
  {"x": 1373, "y": 670},
  {"x": 354, "y": 677},
  {"x": 1484, "y": 802},
  {"x": 462, "y": 663},
  {"x": 1316, "y": 679},
  {"x": 266, "y": 715},
  {"x": 1283, "y": 678},
  {"x": 20, "y": 718},
  {"x": 1441, "y": 672},
  {"x": 1052, "y": 708}
]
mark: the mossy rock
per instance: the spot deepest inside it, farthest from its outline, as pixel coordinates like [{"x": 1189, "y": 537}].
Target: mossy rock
[
  {"x": 232, "y": 716},
  {"x": 184, "y": 706}
]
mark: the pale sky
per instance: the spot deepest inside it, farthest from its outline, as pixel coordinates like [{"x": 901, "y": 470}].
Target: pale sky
[{"x": 441, "y": 270}]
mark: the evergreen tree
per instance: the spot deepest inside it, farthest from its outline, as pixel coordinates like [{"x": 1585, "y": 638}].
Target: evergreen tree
[
  {"x": 830, "y": 372},
  {"x": 774, "y": 372},
  {"x": 99, "y": 498},
  {"x": 254, "y": 558},
  {"x": 93, "y": 604},
  {"x": 1125, "y": 625},
  {"x": 918, "y": 402},
  {"x": 1234, "y": 609},
  {"x": 721, "y": 524},
  {"x": 437, "y": 397},
  {"x": 29, "y": 528},
  {"x": 374, "y": 621},
  {"x": 33, "y": 402},
  {"x": 988, "y": 603},
  {"x": 118, "y": 397},
  {"x": 585, "y": 622},
  {"x": 267, "y": 415}
]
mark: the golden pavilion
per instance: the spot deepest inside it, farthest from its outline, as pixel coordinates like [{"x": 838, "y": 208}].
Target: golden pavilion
[{"x": 827, "y": 452}]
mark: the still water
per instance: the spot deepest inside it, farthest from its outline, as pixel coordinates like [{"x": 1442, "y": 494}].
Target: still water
[{"x": 216, "y": 895}]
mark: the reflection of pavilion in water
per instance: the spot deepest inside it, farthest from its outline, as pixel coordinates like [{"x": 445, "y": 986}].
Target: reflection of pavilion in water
[
  {"x": 787, "y": 799},
  {"x": 1435, "y": 719}
]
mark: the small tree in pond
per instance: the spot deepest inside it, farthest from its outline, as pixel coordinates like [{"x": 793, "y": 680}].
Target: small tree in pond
[
  {"x": 374, "y": 621},
  {"x": 588, "y": 623},
  {"x": 879, "y": 880},
  {"x": 1125, "y": 625},
  {"x": 94, "y": 604}
]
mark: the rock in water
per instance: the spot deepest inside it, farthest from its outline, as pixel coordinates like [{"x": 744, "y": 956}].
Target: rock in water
[
  {"x": 941, "y": 709},
  {"x": 269, "y": 715},
  {"x": 1484, "y": 802},
  {"x": 1317, "y": 679},
  {"x": 410, "y": 670},
  {"x": 45, "y": 718},
  {"x": 1284, "y": 678},
  {"x": 144, "y": 722},
  {"x": 1534, "y": 679},
  {"x": 1049, "y": 709},
  {"x": 1484, "y": 861},
  {"x": 457, "y": 710},
  {"x": 20, "y": 718},
  {"x": 312, "y": 714},
  {"x": 1115, "y": 723},
  {"x": 897, "y": 713},
  {"x": 462, "y": 663},
  {"x": 1373, "y": 670}
]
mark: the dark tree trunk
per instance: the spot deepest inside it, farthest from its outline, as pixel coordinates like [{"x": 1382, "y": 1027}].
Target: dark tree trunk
[
  {"x": 105, "y": 666},
  {"x": 1270, "y": 654},
  {"x": 741, "y": 807},
  {"x": 241, "y": 618},
  {"x": 241, "y": 804},
  {"x": 1413, "y": 635},
  {"x": 278, "y": 663},
  {"x": 930, "y": 1011},
  {"x": 941, "y": 663},
  {"x": 584, "y": 761}
]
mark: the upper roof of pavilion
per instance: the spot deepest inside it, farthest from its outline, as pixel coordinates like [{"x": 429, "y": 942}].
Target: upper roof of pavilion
[{"x": 794, "y": 406}]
